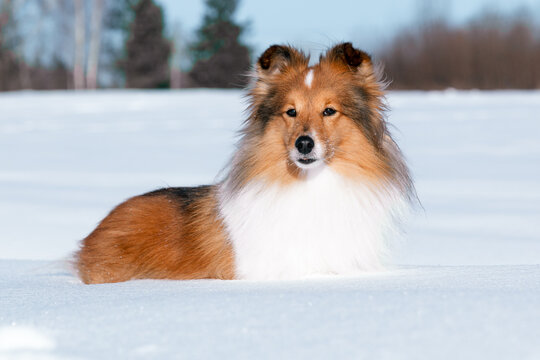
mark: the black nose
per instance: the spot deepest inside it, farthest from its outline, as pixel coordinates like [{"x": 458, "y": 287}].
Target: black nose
[{"x": 304, "y": 144}]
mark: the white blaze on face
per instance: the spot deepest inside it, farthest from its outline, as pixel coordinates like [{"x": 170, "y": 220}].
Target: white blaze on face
[{"x": 309, "y": 78}]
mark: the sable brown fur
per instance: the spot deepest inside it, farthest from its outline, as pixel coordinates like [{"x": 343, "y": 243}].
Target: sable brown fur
[{"x": 168, "y": 234}]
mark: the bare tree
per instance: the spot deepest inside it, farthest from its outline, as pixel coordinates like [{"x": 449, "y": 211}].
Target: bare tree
[
  {"x": 78, "y": 65},
  {"x": 95, "y": 42},
  {"x": 176, "y": 57},
  {"x": 61, "y": 39}
]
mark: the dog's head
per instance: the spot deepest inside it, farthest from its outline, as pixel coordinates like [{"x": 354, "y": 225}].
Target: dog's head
[{"x": 304, "y": 117}]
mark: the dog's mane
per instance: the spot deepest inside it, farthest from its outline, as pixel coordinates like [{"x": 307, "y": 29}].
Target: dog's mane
[{"x": 367, "y": 107}]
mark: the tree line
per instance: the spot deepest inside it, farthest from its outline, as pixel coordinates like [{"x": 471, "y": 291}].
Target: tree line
[
  {"x": 491, "y": 51},
  {"x": 86, "y": 44}
]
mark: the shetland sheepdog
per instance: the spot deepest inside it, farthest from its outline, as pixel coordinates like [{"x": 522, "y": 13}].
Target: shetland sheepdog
[{"x": 316, "y": 186}]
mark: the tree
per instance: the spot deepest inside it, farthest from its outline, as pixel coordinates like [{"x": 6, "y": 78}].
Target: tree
[
  {"x": 9, "y": 63},
  {"x": 491, "y": 51},
  {"x": 95, "y": 43},
  {"x": 220, "y": 59},
  {"x": 146, "y": 65},
  {"x": 117, "y": 20},
  {"x": 80, "y": 42},
  {"x": 177, "y": 57}
]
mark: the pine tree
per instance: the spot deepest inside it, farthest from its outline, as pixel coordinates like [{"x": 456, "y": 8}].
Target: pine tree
[
  {"x": 146, "y": 65},
  {"x": 117, "y": 20},
  {"x": 9, "y": 64},
  {"x": 220, "y": 59}
]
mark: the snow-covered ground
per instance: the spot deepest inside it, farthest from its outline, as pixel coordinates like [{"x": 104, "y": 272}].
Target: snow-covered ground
[{"x": 467, "y": 276}]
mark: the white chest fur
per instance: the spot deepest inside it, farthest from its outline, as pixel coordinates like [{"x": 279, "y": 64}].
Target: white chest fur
[{"x": 323, "y": 225}]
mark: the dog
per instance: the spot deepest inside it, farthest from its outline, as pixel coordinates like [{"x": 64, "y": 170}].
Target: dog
[{"x": 317, "y": 186}]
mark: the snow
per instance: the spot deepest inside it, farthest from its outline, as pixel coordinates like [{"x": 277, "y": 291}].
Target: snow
[
  {"x": 23, "y": 338},
  {"x": 466, "y": 284},
  {"x": 462, "y": 312}
]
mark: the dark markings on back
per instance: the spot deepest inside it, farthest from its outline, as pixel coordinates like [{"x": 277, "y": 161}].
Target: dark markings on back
[{"x": 184, "y": 196}]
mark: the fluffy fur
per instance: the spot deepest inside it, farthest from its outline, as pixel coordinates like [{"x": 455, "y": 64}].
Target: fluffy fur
[{"x": 280, "y": 212}]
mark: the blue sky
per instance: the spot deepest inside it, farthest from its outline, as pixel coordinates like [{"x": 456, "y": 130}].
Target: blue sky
[{"x": 316, "y": 24}]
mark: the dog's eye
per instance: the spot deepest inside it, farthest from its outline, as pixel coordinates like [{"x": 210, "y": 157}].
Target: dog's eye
[
  {"x": 328, "y": 112},
  {"x": 291, "y": 112}
]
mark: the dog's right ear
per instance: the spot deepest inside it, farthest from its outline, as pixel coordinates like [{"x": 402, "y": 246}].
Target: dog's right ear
[{"x": 277, "y": 58}]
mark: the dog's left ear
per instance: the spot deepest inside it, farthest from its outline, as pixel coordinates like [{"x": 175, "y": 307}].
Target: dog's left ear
[{"x": 345, "y": 54}]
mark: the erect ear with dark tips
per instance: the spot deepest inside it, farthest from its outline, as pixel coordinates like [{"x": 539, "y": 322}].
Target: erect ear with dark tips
[
  {"x": 272, "y": 54},
  {"x": 277, "y": 57},
  {"x": 348, "y": 55}
]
